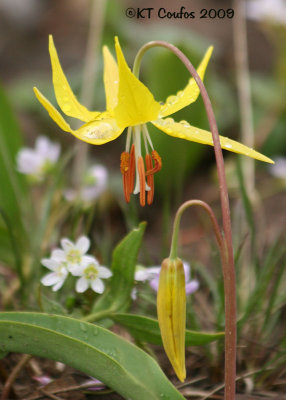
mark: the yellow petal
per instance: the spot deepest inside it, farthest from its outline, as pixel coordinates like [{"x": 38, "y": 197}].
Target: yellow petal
[
  {"x": 64, "y": 95},
  {"x": 136, "y": 104},
  {"x": 171, "y": 309},
  {"x": 189, "y": 94},
  {"x": 111, "y": 79},
  {"x": 99, "y": 131},
  {"x": 54, "y": 114},
  {"x": 185, "y": 131}
]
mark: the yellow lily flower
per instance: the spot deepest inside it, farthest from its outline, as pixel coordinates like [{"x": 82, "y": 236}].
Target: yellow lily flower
[{"x": 129, "y": 103}]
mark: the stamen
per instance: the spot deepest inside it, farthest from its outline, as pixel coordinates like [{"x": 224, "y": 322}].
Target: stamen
[
  {"x": 124, "y": 162},
  {"x": 158, "y": 164},
  {"x": 128, "y": 139},
  {"x": 131, "y": 173},
  {"x": 150, "y": 179},
  {"x": 124, "y": 168},
  {"x": 146, "y": 133},
  {"x": 141, "y": 172}
]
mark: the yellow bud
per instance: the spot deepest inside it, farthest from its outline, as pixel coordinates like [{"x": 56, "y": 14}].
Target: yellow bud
[{"x": 171, "y": 309}]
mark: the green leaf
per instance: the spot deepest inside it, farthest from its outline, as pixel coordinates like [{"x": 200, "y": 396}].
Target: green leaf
[
  {"x": 50, "y": 306},
  {"x": 13, "y": 186},
  {"x": 89, "y": 348},
  {"x": 147, "y": 329},
  {"x": 117, "y": 296}
]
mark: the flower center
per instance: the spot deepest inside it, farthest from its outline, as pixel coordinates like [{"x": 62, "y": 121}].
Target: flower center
[
  {"x": 73, "y": 256},
  {"x": 133, "y": 167},
  {"x": 91, "y": 272},
  {"x": 61, "y": 269}
]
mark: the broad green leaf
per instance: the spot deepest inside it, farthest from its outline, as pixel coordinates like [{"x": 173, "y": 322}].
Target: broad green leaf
[
  {"x": 117, "y": 297},
  {"x": 147, "y": 329},
  {"x": 89, "y": 348}
]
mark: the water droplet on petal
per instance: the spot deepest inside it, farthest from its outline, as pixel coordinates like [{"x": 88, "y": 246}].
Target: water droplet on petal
[{"x": 171, "y": 100}]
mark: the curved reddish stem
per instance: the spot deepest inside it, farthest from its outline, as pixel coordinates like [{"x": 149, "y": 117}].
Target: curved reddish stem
[{"x": 228, "y": 266}]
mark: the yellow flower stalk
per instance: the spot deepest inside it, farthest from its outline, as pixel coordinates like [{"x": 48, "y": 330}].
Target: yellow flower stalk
[
  {"x": 129, "y": 103},
  {"x": 171, "y": 309}
]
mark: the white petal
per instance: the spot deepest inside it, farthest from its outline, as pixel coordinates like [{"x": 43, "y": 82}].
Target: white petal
[
  {"x": 50, "y": 263},
  {"x": 50, "y": 279},
  {"x": 97, "y": 286},
  {"x": 104, "y": 272},
  {"x": 83, "y": 244},
  {"x": 42, "y": 145},
  {"x": 154, "y": 283},
  {"x": 58, "y": 255},
  {"x": 187, "y": 270},
  {"x": 28, "y": 162},
  {"x": 145, "y": 274},
  {"x": 279, "y": 168},
  {"x": 58, "y": 285},
  {"x": 54, "y": 153},
  {"x": 67, "y": 244},
  {"x": 81, "y": 285},
  {"x": 192, "y": 286},
  {"x": 76, "y": 270},
  {"x": 87, "y": 260}
]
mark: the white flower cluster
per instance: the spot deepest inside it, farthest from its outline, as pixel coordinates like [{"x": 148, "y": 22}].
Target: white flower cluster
[{"x": 72, "y": 258}]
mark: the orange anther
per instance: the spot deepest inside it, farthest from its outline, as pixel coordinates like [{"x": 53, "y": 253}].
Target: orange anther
[
  {"x": 124, "y": 162},
  {"x": 141, "y": 172},
  {"x": 124, "y": 168},
  {"x": 158, "y": 164},
  {"x": 150, "y": 179}
]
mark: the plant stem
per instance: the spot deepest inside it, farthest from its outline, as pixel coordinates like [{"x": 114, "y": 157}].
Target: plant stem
[
  {"x": 228, "y": 266},
  {"x": 179, "y": 213},
  {"x": 96, "y": 23},
  {"x": 97, "y": 316}
]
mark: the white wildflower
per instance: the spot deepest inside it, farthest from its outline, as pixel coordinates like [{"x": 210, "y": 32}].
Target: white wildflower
[
  {"x": 58, "y": 275},
  {"x": 74, "y": 254},
  {"x": 91, "y": 275},
  {"x": 37, "y": 162}
]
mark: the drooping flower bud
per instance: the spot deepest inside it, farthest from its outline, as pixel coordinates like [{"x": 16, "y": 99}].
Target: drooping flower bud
[{"x": 171, "y": 309}]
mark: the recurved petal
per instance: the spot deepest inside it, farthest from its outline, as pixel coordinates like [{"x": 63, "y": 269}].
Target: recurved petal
[
  {"x": 64, "y": 94},
  {"x": 136, "y": 104},
  {"x": 189, "y": 94},
  {"x": 183, "y": 130},
  {"x": 54, "y": 114},
  {"x": 110, "y": 78},
  {"x": 99, "y": 131}
]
